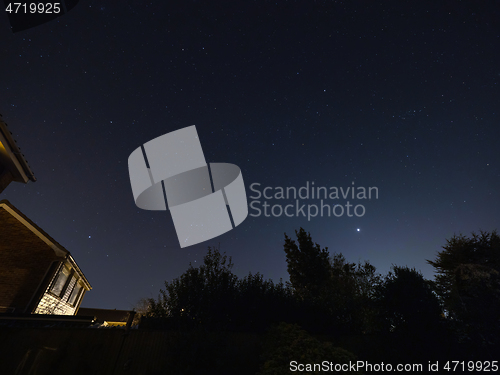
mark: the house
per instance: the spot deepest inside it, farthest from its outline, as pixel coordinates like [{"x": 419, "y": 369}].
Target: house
[
  {"x": 108, "y": 317},
  {"x": 13, "y": 165},
  {"x": 37, "y": 274}
]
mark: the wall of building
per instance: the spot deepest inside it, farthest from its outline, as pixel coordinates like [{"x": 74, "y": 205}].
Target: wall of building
[
  {"x": 50, "y": 304},
  {"x": 24, "y": 261}
]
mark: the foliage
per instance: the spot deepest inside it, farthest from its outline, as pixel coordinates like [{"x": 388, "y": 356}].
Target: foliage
[
  {"x": 307, "y": 265},
  {"x": 261, "y": 302},
  {"x": 330, "y": 295},
  {"x": 141, "y": 309},
  {"x": 203, "y": 294},
  {"x": 330, "y": 289},
  {"x": 211, "y": 295},
  {"x": 407, "y": 302},
  {"x": 352, "y": 289},
  {"x": 288, "y": 342},
  {"x": 468, "y": 281}
]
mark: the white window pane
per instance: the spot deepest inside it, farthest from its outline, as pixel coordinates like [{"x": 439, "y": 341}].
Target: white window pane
[
  {"x": 75, "y": 294},
  {"x": 58, "y": 285}
]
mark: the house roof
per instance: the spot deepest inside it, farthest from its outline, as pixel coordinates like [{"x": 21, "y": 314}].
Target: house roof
[
  {"x": 11, "y": 156},
  {"x": 105, "y": 315},
  {"x": 40, "y": 233}
]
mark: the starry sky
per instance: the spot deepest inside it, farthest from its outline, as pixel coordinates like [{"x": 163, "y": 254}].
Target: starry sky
[{"x": 402, "y": 96}]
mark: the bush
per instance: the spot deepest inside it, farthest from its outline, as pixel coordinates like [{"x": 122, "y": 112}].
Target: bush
[{"x": 288, "y": 342}]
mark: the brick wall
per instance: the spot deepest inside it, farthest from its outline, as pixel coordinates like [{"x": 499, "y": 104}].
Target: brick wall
[
  {"x": 24, "y": 261},
  {"x": 50, "y": 304},
  {"x": 53, "y": 305}
]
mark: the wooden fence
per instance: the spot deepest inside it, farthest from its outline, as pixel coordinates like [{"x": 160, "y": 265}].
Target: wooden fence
[{"x": 28, "y": 350}]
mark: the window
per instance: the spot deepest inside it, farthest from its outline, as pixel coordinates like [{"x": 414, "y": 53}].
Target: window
[
  {"x": 59, "y": 284},
  {"x": 75, "y": 294}
]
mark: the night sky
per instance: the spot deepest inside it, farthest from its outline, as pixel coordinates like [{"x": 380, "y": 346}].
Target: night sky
[{"x": 405, "y": 98}]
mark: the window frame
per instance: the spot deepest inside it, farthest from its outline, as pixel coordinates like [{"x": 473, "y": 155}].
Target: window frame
[
  {"x": 79, "y": 293},
  {"x": 60, "y": 295}
]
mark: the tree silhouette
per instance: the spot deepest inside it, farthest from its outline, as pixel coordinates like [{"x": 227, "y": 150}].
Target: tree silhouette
[
  {"x": 204, "y": 294},
  {"x": 261, "y": 302},
  {"x": 409, "y": 317},
  {"x": 212, "y": 296},
  {"x": 407, "y": 302},
  {"x": 307, "y": 265},
  {"x": 352, "y": 288},
  {"x": 468, "y": 281}
]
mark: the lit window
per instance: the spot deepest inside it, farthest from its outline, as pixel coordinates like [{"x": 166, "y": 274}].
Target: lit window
[
  {"x": 75, "y": 294},
  {"x": 60, "y": 282}
]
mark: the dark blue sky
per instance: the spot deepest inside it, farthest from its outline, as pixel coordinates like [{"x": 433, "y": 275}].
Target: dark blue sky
[{"x": 402, "y": 97}]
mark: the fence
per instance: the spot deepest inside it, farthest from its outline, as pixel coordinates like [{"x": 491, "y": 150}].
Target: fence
[{"x": 26, "y": 351}]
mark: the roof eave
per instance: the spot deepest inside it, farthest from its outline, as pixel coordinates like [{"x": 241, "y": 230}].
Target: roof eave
[{"x": 18, "y": 160}]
